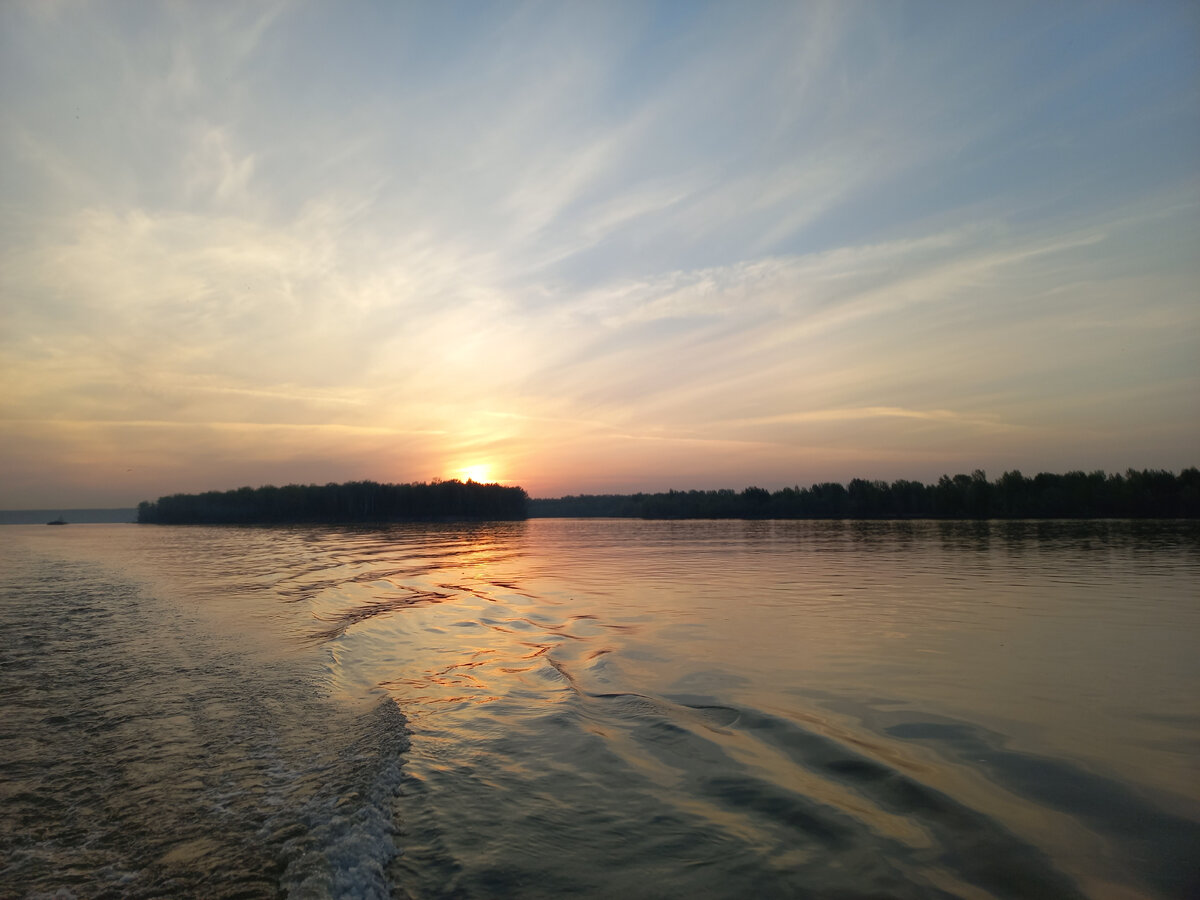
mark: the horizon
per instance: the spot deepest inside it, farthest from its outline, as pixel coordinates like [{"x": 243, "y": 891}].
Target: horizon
[
  {"x": 591, "y": 250},
  {"x": 660, "y": 490}
]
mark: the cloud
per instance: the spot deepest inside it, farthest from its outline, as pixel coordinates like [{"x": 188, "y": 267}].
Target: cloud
[
  {"x": 631, "y": 236},
  {"x": 873, "y": 412}
]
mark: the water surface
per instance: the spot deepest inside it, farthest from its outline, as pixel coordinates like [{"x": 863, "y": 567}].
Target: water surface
[{"x": 604, "y": 707}]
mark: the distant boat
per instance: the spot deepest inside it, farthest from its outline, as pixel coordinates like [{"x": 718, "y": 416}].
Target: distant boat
[{"x": 59, "y": 521}]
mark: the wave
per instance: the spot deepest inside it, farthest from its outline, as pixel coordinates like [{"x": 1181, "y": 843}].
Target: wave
[
  {"x": 143, "y": 755},
  {"x": 347, "y": 833},
  {"x": 684, "y": 710}
]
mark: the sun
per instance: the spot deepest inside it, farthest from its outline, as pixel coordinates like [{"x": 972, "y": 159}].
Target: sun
[{"x": 480, "y": 473}]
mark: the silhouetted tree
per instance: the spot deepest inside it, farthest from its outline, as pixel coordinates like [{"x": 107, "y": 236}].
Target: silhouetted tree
[
  {"x": 1136, "y": 494},
  {"x": 356, "y": 501}
]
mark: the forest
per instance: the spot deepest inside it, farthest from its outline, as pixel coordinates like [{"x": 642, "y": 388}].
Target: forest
[
  {"x": 1134, "y": 494},
  {"x": 356, "y": 501},
  {"x": 1076, "y": 495}
]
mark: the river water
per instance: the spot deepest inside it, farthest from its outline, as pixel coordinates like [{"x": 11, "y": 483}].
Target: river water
[{"x": 609, "y": 708}]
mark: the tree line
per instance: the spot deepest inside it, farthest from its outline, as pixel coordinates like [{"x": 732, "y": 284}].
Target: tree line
[
  {"x": 1149, "y": 493},
  {"x": 355, "y": 501}
]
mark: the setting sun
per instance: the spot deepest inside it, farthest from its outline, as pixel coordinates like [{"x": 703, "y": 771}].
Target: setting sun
[{"x": 480, "y": 473}]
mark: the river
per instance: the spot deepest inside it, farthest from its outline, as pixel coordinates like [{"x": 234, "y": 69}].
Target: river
[{"x": 609, "y": 708}]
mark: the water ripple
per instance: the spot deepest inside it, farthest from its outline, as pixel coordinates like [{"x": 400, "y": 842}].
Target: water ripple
[{"x": 716, "y": 709}]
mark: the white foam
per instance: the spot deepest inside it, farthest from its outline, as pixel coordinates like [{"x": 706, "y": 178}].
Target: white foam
[{"x": 350, "y": 837}]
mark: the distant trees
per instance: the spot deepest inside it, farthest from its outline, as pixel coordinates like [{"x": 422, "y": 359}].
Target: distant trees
[
  {"x": 1135, "y": 494},
  {"x": 355, "y": 501},
  {"x": 1148, "y": 493}
]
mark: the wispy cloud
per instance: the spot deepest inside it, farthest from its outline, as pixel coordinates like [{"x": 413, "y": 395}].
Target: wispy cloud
[
  {"x": 872, "y": 412},
  {"x": 601, "y": 244}
]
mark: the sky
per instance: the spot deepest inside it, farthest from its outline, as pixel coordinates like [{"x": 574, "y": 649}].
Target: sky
[{"x": 593, "y": 247}]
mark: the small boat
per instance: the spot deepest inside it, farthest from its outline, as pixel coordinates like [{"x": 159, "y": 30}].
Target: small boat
[{"x": 59, "y": 521}]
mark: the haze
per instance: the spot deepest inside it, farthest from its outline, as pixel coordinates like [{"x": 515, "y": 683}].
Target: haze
[{"x": 593, "y": 247}]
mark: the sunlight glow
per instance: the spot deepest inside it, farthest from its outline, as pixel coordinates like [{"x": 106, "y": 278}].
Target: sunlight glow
[
  {"x": 480, "y": 473},
  {"x": 670, "y": 266}
]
